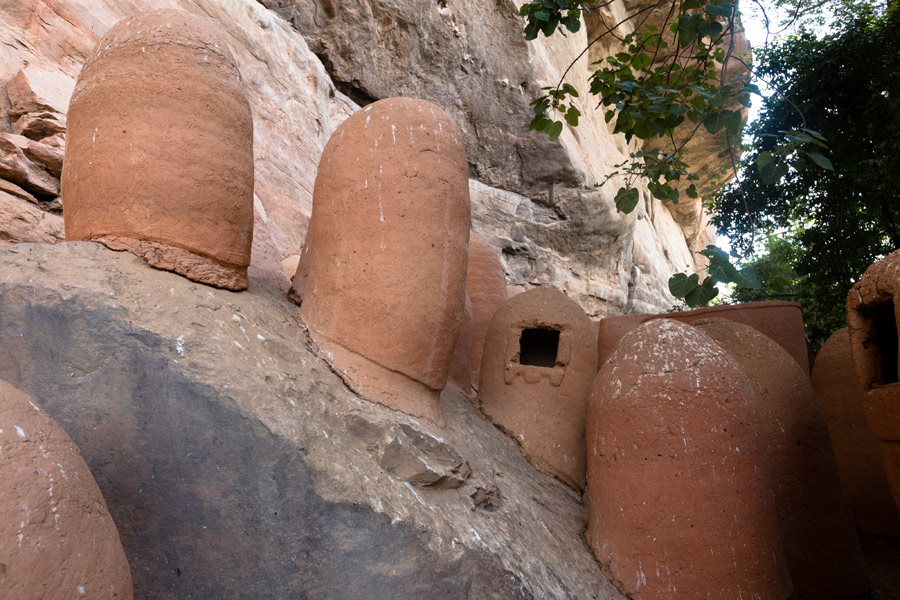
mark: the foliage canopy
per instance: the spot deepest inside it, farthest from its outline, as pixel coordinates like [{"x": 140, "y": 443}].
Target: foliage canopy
[{"x": 836, "y": 222}]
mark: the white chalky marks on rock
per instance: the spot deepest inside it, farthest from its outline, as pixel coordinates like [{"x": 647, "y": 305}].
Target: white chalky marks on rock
[
  {"x": 179, "y": 345},
  {"x": 19, "y": 431}
]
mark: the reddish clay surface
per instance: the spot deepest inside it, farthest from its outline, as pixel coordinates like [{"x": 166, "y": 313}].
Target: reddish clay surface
[
  {"x": 781, "y": 321},
  {"x": 856, "y": 450},
  {"x": 461, "y": 363},
  {"x": 57, "y": 539},
  {"x": 541, "y": 405},
  {"x": 680, "y": 504},
  {"x": 873, "y": 311},
  {"x": 382, "y": 275},
  {"x": 159, "y": 159},
  {"x": 817, "y": 527},
  {"x": 486, "y": 286},
  {"x": 290, "y": 264}
]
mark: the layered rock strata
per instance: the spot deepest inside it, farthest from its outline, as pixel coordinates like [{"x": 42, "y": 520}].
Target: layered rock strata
[{"x": 549, "y": 231}]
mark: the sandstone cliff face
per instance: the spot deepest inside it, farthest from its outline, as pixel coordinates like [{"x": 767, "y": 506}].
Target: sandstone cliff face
[
  {"x": 533, "y": 199},
  {"x": 236, "y": 464}
]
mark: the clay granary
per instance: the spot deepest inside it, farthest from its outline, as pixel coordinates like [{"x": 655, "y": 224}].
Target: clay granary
[
  {"x": 873, "y": 311},
  {"x": 381, "y": 280},
  {"x": 855, "y": 448},
  {"x": 159, "y": 159},
  {"x": 816, "y": 525},
  {"x": 678, "y": 488},
  {"x": 780, "y": 321},
  {"x": 57, "y": 538},
  {"x": 540, "y": 357}
]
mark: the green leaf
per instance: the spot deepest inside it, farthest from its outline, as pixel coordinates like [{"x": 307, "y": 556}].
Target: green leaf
[
  {"x": 687, "y": 29},
  {"x": 542, "y": 15},
  {"x": 771, "y": 169},
  {"x": 815, "y": 134},
  {"x": 680, "y": 285},
  {"x": 714, "y": 121},
  {"x": 720, "y": 10},
  {"x": 701, "y": 295},
  {"x": 820, "y": 160},
  {"x": 573, "y": 24},
  {"x": 539, "y": 123},
  {"x": 572, "y": 116},
  {"x": 715, "y": 255},
  {"x": 554, "y": 129},
  {"x": 609, "y": 115},
  {"x": 734, "y": 124},
  {"x": 710, "y": 28},
  {"x": 641, "y": 61},
  {"x": 569, "y": 89},
  {"x": 626, "y": 199}
]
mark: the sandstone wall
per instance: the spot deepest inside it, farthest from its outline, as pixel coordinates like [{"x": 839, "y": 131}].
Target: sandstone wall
[{"x": 535, "y": 200}]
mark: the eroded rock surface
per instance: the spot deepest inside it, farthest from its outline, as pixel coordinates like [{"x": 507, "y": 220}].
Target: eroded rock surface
[
  {"x": 532, "y": 199},
  {"x": 235, "y": 463}
]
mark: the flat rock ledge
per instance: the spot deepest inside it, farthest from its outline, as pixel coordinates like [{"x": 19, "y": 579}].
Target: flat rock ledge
[{"x": 237, "y": 465}]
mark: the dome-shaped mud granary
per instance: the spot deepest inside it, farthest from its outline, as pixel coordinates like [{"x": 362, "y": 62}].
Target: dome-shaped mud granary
[
  {"x": 855, "y": 448},
  {"x": 540, "y": 357},
  {"x": 816, "y": 525},
  {"x": 57, "y": 539},
  {"x": 680, "y": 501},
  {"x": 382, "y": 277},
  {"x": 159, "y": 159},
  {"x": 873, "y": 311}
]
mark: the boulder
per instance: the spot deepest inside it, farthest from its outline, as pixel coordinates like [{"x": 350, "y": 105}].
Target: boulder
[
  {"x": 237, "y": 464},
  {"x": 21, "y": 221},
  {"x": 47, "y": 155},
  {"x": 18, "y": 168},
  {"x": 57, "y": 539},
  {"x": 39, "y": 126},
  {"x": 39, "y": 89}
]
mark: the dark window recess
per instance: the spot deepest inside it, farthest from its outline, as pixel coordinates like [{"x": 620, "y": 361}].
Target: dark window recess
[
  {"x": 884, "y": 329},
  {"x": 538, "y": 347}
]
